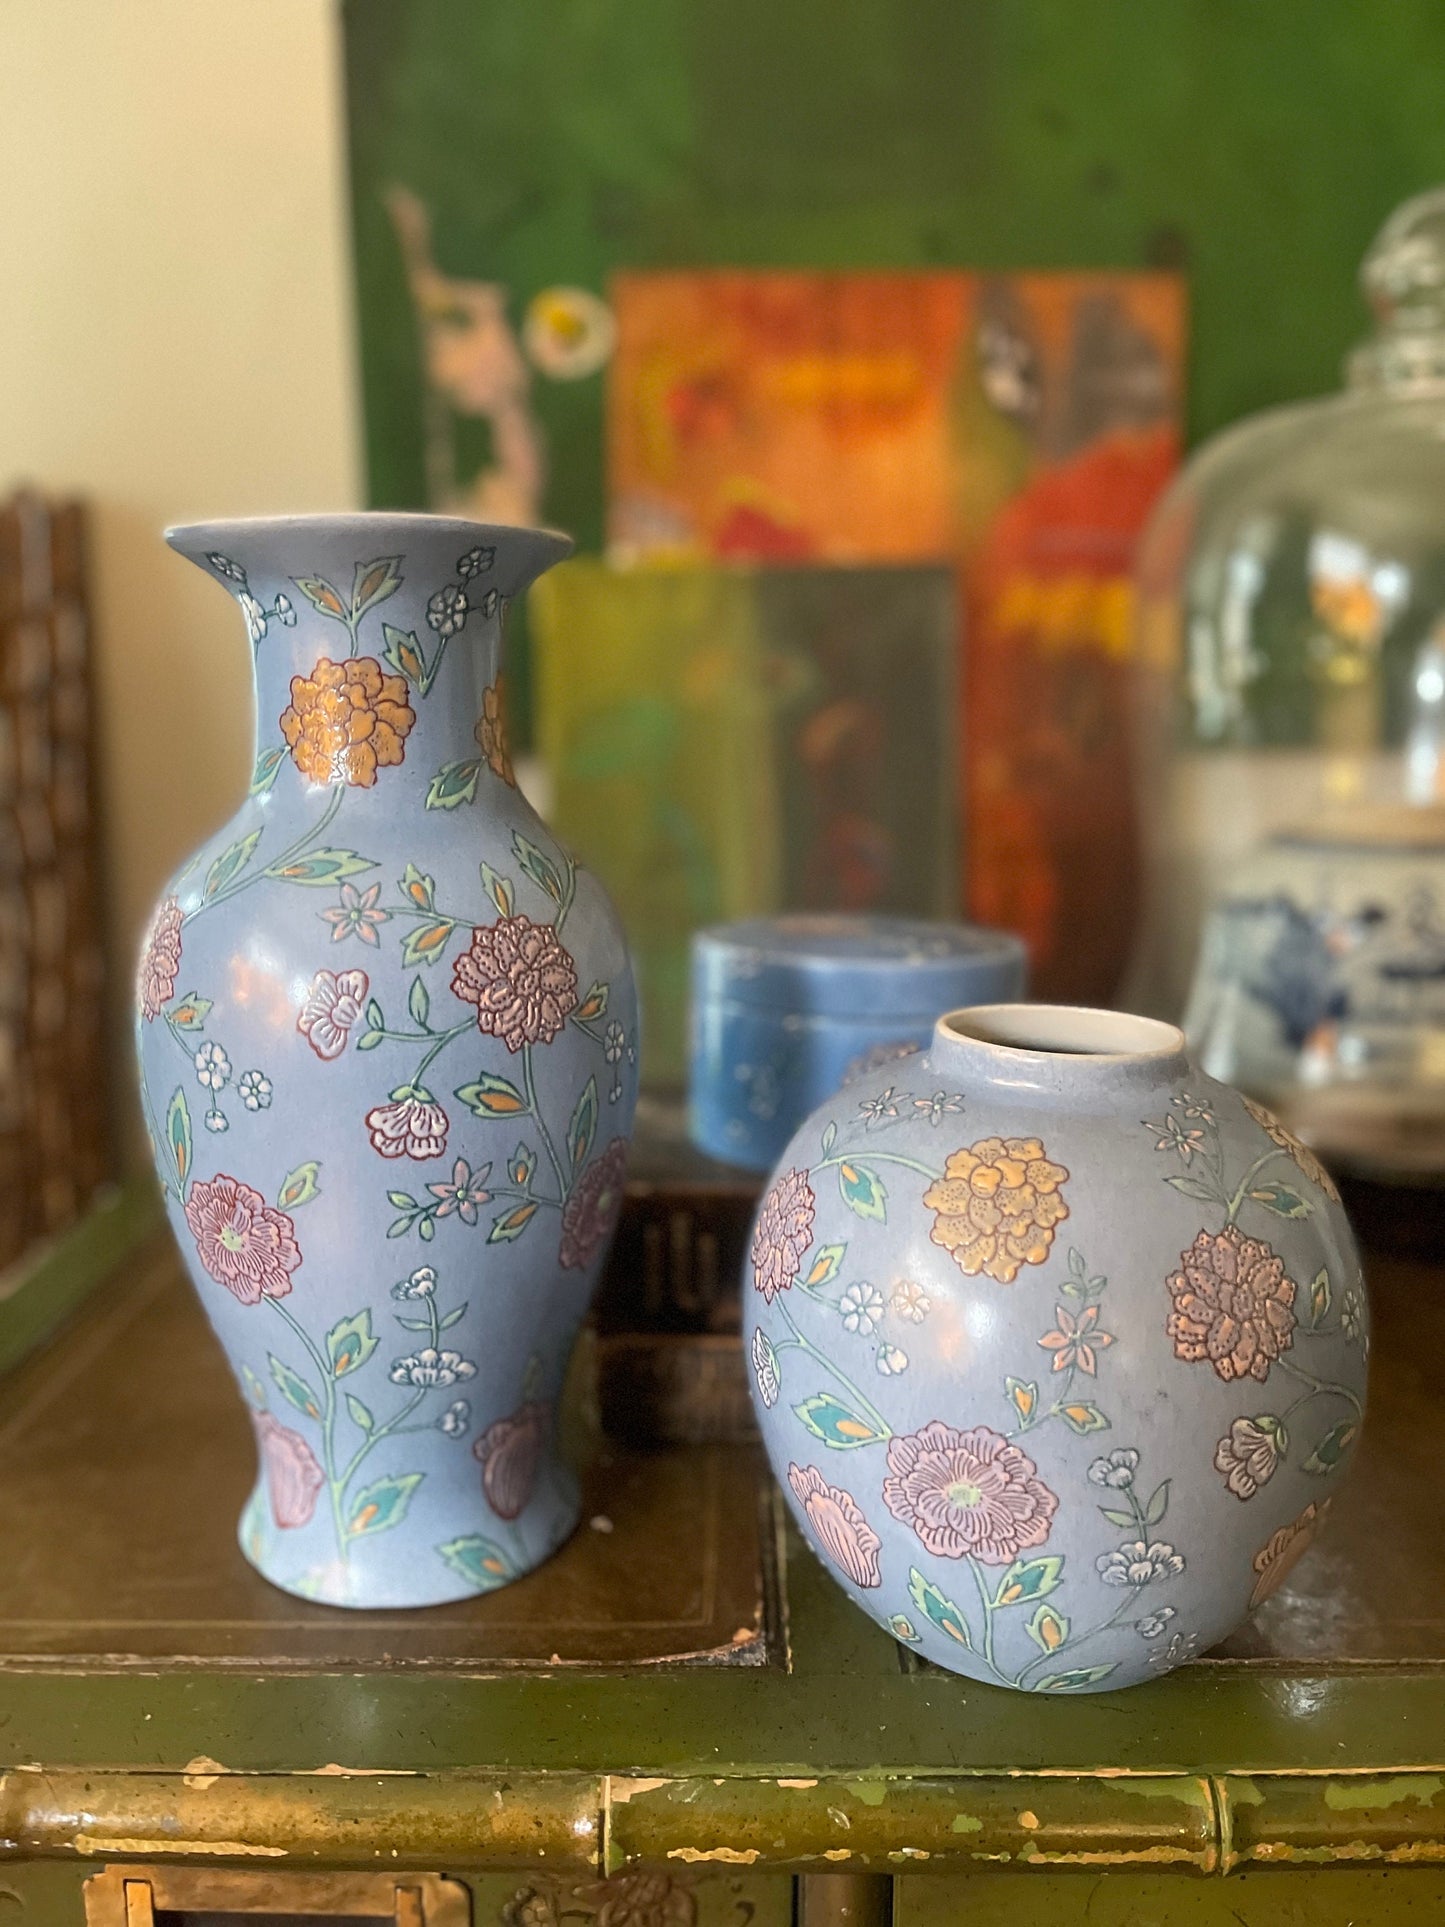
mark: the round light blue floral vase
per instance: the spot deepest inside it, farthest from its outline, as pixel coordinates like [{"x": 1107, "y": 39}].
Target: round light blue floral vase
[
  {"x": 1058, "y": 1347},
  {"x": 387, "y": 1038}
]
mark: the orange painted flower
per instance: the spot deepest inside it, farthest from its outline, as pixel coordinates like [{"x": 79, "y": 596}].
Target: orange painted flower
[
  {"x": 1303, "y": 1156},
  {"x": 997, "y": 1206},
  {"x": 1075, "y": 1341},
  {"x": 1233, "y": 1305},
  {"x": 346, "y": 720},
  {"x": 160, "y": 960},
  {"x": 491, "y": 731},
  {"x": 1284, "y": 1549}
]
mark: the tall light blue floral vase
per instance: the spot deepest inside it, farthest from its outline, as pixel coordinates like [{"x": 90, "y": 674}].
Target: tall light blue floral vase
[
  {"x": 1058, "y": 1347},
  {"x": 388, "y": 1039}
]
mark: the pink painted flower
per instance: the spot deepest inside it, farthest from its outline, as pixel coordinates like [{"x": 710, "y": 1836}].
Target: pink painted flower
[
  {"x": 408, "y": 1127},
  {"x": 1076, "y": 1341},
  {"x": 357, "y": 915},
  {"x": 521, "y": 980},
  {"x": 590, "y": 1213},
  {"x": 243, "y": 1242},
  {"x": 333, "y": 1004},
  {"x": 160, "y": 960},
  {"x": 839, "y": 1527},
  {"x": 465, "y": 1191},
  {"x": 968, "y": 1493},
  {"x": 510, "y": 1452},
  {"x": 293, "y": 1478},
  {"x": 783, "y": 1233}
]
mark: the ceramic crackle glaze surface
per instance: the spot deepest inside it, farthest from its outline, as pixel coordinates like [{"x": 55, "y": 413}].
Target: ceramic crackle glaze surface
[
  {"x": 1058, "y": 1347},
  {"x": 388, "y": 1042}
]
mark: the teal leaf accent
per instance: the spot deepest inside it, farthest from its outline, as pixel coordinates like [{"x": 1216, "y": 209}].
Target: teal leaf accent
[
  {"x": 178, "y": 1135},
  {"x": 582, "y": 1128},
  {"x": 1029, "y": 1579},
  {"x": 360, "y": 1414},
  {"x": 373, "y": 582},
  {"x": 382, "y": 1504},
  {"x": 454, "y": 784},
  {"x": 1332, "y": 1447},
  {"x": 230, "y": 863},
  {"x": 1281, "y": 1200},
  {"x": 863, "y": 1191},
  {"x": 255, "y": 1390},
  {"x": 350, "y": 1343},
  {"x": 826, "y": 1264},
  {"x": 538, "y": 866},
  {"x": 1048, "y": 1629},
  {"x": 938, "y": 1608},
  {"x": 419, "y": 1002},
  {"x": 293, "y": 1387},
  {"x": 492, "y": 1096},
  {"x": 268, "y": 768},
  {"x": 837, "y": 1424},
  {"x": 1079, "y": 1676},
  {"x": 299, "y": 1187},
  {"x": 481, "y": 1562},
  {"x": 320, "y": 868},
  {"x": 498, "y": 889}
]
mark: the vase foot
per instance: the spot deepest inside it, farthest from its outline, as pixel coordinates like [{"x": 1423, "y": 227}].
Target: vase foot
[{"x": 481, "y": 1556}]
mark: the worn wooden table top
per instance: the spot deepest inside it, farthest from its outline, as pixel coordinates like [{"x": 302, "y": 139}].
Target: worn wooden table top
[{"x": 688, "y": 1682}]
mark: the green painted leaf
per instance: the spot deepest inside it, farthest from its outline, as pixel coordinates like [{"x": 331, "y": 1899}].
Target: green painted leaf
[
  {"x": 419, "y": 1002},
  {"x": 1082, "y": 1417},
  {"x": 360, "y": 1414},
  {"x": 830, "y": 1138},
  {"x": 413, "y": 1324},
  {"x": 1320, "y": 1296},
  {"x": 1080, "y": 1676},
  {"x": 454, "y": 784},
  {"x": 863, "y": 1191},
  {"x": 322, "y": 597},
  {"x": 268, "y": 767},
  {"x": 374, "y": 1015},
  {"x": 827, "y": 1262},
  {"x": 452, "y": 1318},
  {"x": 1195, "y": 1188},
  {"x": 399, "y": 1227},
  {"x": 1281, "y": 1200},
  {"x": 293, "y": 1387},
  {"x": 498, "y": 889},
  {"x": 178, "y": 1135},
  {"x": 1158, "y": 1504},
  {"x": 320, "y": 868},
  {"x": 299, "y": 1187},
  {"x": 190, "y": 1013},
  {"x": 938, "y": 1608},
  {"x": 837, "y": 1424},
  {"x": 350, "y": 1343},
  {"x": 1029, "y": 1579},
  {"x": 1117, "y": 1516},
  {"x": 1333, "y": 1446},
  {"x": 582, "y": 1127},
  {"x": 425, "y": 943},
  {"x": 492, "y": 1096},
  {"x": 418, "y": 888},
  {"x": 255, "y": 1390},
  {"x": 538, "y": 866},
  {"x": 427, "y": 1227},
  {"x": 230, "y": 863},
  {"x": 369, "y": 1039},
  {"x": 593, "y": 1005},
  {"x": 382, "y": 1504},
  {"x": 403, "y": 653},
  {"x": 403, "y": 1200},
  {"x": 1048, "y": 1629},
  {"x": 373, "y": 582},
  {"x": 511, "y": 1224},
  {"x": 481, "y": 1562},
  {"x": 1023, "y": 1395},
  {"x": 521, "y": 1165}
]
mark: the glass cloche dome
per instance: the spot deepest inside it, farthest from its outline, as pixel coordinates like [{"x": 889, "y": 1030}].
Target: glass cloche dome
[{"x": 1292, "y": 636}]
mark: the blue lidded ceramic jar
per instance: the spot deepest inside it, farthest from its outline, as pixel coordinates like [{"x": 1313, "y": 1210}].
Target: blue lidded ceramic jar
[{"x": 786, "y": 1009}]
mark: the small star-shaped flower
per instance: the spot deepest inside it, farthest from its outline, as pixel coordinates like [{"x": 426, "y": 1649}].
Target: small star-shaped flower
[
  {"x": 466, "y": 1190},
  {"x": 1076, "y": 1341}
]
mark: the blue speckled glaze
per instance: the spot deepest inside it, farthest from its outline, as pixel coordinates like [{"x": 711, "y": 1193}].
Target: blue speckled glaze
[
  {"x": 785, "y": 1009},
  {"x": 387, "y": 1039},
  {"x": 1058, "y": 1347}
]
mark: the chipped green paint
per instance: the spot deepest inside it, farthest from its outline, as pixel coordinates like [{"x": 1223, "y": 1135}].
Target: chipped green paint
[
  {"x": 1242, "y": 1792},
  {"x": 1188, "y": 1792},
  {"x": 1348, "y": 1795},
  {"x": 966, "y": 1823},
  {"x": 871, "y": 1792}
]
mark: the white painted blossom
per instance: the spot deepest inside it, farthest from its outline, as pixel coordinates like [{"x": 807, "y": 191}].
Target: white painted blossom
[
  {"x": 1116, "y": 1469},
  {"x": 431, "y": 1367},
  {"x": 1137, "y": 1564},
  {"x": 891, "y": 1360},
  {"x": 911, "y": 1301},
  {"x": 860, "y": 1308},
  {"x": 446, "y": 611},
  {"x": 455, "y": 1420},
  {"x": 421, "y": 1284},
  {"x": 255, "y": 1089},
  {"x": 213, "y": 1067},
  {"x": 765, "y": 1367}
]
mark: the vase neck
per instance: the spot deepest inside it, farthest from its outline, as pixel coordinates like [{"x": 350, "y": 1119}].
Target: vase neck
[{"x": 1058, "y": 1051}]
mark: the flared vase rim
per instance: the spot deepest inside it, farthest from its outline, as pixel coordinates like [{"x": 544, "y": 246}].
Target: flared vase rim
[{"x": 186, "y": 536}]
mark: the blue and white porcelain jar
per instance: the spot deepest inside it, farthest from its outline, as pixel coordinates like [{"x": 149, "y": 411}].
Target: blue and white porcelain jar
[
  {"x": 785, "y": 1009},
  {"x": 1058, "y": 1347}
]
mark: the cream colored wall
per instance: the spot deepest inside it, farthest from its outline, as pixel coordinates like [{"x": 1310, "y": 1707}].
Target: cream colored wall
[{"x": 175, "y": 341}]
